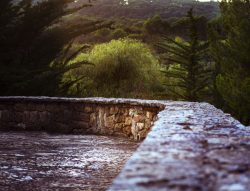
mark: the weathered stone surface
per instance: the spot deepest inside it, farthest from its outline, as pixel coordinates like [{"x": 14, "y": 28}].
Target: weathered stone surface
[
  {"x": 192, "y": 146},
  {"x": 35, "y": 161}
]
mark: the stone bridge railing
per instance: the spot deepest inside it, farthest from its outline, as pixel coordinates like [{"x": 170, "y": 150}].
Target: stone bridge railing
[
  {"x": 191, "y": 146},
  {"x": 79, "y": 116}
]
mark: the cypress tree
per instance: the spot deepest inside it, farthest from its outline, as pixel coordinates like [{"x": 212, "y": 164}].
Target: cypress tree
[{"x": 189, "y": 75}]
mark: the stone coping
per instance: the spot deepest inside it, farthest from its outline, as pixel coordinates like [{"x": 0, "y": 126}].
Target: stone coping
[
  {"x": 97, "y": 100},
  {"x": 192, "y": 146}
]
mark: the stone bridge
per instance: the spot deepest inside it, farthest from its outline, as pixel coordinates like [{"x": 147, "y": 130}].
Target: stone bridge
[{"x": 185, "y": 145}]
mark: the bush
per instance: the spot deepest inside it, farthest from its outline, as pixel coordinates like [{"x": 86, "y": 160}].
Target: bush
[
  {"x": 118, "y": 33},
  {"x": 122, "y": 68}
]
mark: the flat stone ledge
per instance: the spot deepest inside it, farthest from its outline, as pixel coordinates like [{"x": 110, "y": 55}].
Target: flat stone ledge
[{"x": 192, "y": 146}]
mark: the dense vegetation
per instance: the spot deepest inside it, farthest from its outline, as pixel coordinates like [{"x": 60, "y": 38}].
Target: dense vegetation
[
  {"x": 181, "y": 50},
  {"x": 230, "y": 49}
]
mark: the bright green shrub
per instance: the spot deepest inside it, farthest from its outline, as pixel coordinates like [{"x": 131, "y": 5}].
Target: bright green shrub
[{"x": 122, "y": 68}]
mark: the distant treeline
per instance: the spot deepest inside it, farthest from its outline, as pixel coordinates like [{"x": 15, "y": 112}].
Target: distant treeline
[{"x": 142, "y": 9}]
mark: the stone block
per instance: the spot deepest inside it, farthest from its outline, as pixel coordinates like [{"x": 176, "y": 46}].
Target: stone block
[
  {"x": 119, "y": 118},
  {"x": 58, "y": 117},
  {"x": 118, "y": 126},
  {"x": 67, "y": 114},
  {"x": 128, "y": 121},
  {"x": 127, "y": 130},
  {"x": 113, "y": 110},
  {"x": 26, "y": 116},
  {"x": 138, "y": 118},
  {"x": 88, "y": 109},
  {"x": 140, "y": 126},
  {"x": 149, "y": 115},
  {"x": 125, "y": 111},
  {"x": 48, "y": 107},
  {"x": 79, "y": 125},
  {"x": 100, "y": 118},
  {"x": 92, "y": 120},
  {"x": 81, "y": 116},
  {"x": 18, "y": 117},
  {"x": 109, "y": 121},
  {"x": 34, "y": 116},
  {"x": 148, "y": 123},
  {"x": 31, "y": 107},
  {"x": 107, "y": 111},
  {"x": 134, "y": 130},
  {"x": 77, "y": 107},
  {"x": 40, "y": 107},
  {"x": 140, "y": 111},
  {"x": 142, "y": 134},
  {"x": 20, "y": 107},
  {"x": 132, "y": 112},
  {"x": 43, "y": 116},
  {"x": 7, "y": 116}
]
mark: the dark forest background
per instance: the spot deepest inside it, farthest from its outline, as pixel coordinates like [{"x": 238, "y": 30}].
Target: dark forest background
[{"x": 150, "y": 49}]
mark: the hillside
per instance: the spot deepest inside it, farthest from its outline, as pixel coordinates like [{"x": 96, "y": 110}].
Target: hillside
[{"x": 141, "y": 9}]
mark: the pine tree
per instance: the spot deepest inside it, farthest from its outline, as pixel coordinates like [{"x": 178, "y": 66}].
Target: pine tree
[
  {"x": 187, "y": 72},
  {"x": 31, "y": 37},
  {"x": 230, "y": 49}
]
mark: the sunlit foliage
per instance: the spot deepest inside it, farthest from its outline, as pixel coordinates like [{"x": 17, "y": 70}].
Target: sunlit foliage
[{"x": 121, "y": 68}]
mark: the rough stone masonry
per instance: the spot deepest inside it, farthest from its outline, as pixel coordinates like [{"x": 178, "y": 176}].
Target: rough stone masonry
[
  {"x": 191, "y": 146},
  {"x": 78, "y": 116}
]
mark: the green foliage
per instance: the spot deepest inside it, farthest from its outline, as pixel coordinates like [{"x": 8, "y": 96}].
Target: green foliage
[
  {"x": 122, "y": 68},
  {"x": 181, "y": 27},
  {"x": 32, "y": 35},
  {"x": 156, "y": 25},
  {"x": 189, "y": 75},
  {"x": 118, "y": 33},
  {"x": 230, "y": 49}
]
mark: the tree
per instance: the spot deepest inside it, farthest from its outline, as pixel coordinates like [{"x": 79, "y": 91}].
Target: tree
[
  {"x": 156, "y": 25},
  {"x": 31, "y": 36},
  {"x": 187, "y": 72},
  {"x": 230, "y": 49},
  {"x": 122, "y": 68}
]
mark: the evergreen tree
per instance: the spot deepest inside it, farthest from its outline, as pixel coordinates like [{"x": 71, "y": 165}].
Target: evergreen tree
[
  {"x": 187, "y": 72},
  {"x": 31, "y": 37},
  {"x": 230, "y": 49}
]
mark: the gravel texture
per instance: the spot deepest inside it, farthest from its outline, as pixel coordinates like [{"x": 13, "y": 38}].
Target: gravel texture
[{"x": 31, "y": 161}]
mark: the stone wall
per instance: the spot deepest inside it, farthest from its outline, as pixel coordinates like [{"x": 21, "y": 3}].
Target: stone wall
[
  {"x": 192, "y": 146},
  {"x": 78, "y": 116}
]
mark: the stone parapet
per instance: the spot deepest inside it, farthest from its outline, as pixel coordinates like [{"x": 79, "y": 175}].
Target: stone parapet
[
  {"x": 191, "y": 147},
  {"x": 118, "y": 117}
]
